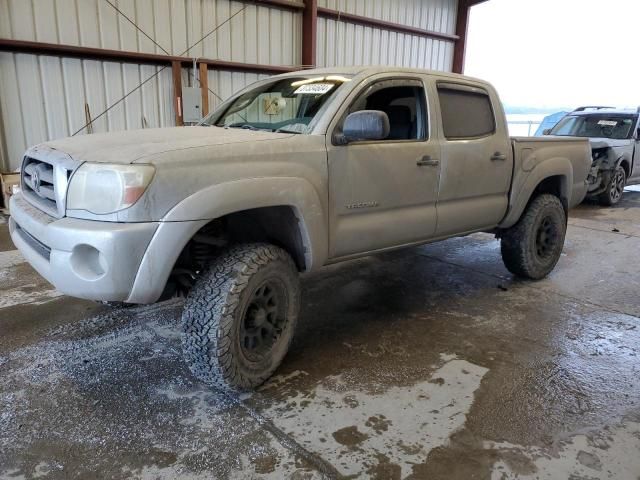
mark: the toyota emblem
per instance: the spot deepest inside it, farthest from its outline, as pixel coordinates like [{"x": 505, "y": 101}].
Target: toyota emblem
[{"x": 35, "y": 180}]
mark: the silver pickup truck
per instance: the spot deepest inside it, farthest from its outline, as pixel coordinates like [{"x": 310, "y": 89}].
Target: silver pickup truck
[
  {"x": 615, "y": 141},
  {"x": 293, "y": 173}
]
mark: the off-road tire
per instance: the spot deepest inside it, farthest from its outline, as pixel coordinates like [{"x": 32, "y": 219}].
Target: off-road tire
[
  {"x": 529, "y": 252},
  {"x": 216, "y": 312},
  {"x": 615, "y": 186}
]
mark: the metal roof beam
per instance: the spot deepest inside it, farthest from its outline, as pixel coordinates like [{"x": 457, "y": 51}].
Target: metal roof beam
[
  {"x": 383, "y": 24},
  {"x": 74, "y": 51}
]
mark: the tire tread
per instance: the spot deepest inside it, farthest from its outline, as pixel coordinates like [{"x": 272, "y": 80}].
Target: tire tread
[
  {"x": 515, "y": 255},
  {"x": 208, "y": 318}
]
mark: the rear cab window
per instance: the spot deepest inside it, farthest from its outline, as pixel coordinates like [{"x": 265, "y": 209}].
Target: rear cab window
[{"x": 466, "y": 111}]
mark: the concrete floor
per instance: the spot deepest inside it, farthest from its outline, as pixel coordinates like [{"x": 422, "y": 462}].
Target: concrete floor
[{"x": 428, "y": 363}]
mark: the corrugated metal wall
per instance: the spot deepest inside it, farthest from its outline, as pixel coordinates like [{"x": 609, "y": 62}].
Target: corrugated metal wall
[
  {"x": 342, "y": 43},
  {"x": 44, "y": 97},
  {"x": 259, "y": 34}
]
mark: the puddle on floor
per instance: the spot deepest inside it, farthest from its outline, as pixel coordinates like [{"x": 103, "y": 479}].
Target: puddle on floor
[{"x": 380, "y": 434}]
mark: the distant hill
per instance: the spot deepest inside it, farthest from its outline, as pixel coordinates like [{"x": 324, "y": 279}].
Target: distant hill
[{"x": 512, "y": 110}]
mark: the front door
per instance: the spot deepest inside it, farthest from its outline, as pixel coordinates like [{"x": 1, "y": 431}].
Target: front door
[
  {"x": 383, "y": 193},
  {"x": 634, "y": 177}
]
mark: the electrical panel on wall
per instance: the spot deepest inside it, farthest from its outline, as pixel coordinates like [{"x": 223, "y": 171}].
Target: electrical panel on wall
[{"x": 191, "y": 104}]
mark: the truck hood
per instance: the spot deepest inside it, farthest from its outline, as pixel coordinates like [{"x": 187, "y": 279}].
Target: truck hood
[
  {"x": 608, "y": 143},
  {"x": 142, "y": 145}
]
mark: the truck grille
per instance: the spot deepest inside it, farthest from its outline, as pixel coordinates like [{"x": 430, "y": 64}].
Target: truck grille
[{"x": 44, "y": 185}]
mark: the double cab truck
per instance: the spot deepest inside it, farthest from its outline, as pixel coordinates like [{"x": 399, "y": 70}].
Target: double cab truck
[
  {"x": 614, "y": 135},
  {"x": 294, "y": 172}
]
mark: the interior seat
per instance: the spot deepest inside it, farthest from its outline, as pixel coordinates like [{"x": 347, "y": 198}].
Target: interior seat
[{"x": 399, "y": 121}]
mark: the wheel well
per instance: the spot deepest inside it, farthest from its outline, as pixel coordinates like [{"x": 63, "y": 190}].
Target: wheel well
[
  {"x": 278, "y": 225},
  {"x": 625, "y": 164},
  {"x": 554, "y": 185}
]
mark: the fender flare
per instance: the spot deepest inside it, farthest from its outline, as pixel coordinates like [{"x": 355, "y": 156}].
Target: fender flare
[
  {"x": 224, "y": 198},
  {"x": 624, "y": 158},
  {"x": 179, "y": 225},
  {"x": 525, "y": 186}
]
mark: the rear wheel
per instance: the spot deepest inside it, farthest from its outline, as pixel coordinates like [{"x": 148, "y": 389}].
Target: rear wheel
[
  {"x": 532, "y": 247},
  {"x": 615, "y": 187},
  {"x": 240, "y": 315}
]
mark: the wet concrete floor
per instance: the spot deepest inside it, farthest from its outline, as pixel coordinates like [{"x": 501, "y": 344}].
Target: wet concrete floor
[{"x": 430, "y": 363}]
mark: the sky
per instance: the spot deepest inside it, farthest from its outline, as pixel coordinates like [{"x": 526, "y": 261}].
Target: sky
[{"x": 557, "y": 53}]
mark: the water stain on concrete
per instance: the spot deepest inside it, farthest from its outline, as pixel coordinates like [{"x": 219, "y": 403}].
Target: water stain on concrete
[
  {"x": 378, "y": 423},
  {"x": 402, "y": 429},
  {"x": 384, "y": 469},
  {"x": 265, "y": 464},
  {"x": 349, "y": 436},
  {"x": 578, "y": 456},
  {"x": 589, "y": 460}
]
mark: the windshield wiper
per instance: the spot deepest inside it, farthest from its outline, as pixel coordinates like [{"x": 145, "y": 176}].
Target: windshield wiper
[
  {"x": 245, "y": 127},
  {"x": 284, "y": 130}
]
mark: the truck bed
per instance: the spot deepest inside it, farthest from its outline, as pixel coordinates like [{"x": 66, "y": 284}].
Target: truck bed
[{"x": 570, "y": 154}]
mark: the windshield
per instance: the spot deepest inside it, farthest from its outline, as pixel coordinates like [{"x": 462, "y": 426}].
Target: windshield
[
  {"x": 596, "y": 126},
  {"x": 284, "y": 105}
]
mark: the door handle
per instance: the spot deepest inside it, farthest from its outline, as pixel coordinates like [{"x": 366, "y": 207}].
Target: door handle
[
  {"x": 427, "y": 161},
  {"x": 498, "y": 156}
]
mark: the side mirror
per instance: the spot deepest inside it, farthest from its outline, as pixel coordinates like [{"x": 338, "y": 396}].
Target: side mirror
[
  {"x": 366, "y": 125},
  {"x": 638, "y": 135},
  {"x": 546, "y": 131}
]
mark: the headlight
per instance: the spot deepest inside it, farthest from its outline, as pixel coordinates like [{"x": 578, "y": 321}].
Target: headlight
[{"x": 105, "y": 188}]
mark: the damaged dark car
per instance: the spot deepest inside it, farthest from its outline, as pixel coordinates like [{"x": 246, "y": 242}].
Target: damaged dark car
[{"x": 615, "y": 140}]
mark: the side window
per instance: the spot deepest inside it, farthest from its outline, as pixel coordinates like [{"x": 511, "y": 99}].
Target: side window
[
  {"x": 466, "y": 114},
  {"x": 404, "y": 103}
]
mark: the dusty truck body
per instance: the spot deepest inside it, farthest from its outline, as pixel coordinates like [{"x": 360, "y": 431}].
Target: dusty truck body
[
  {"x": 293, "y": 173},
  {"x": 615, "y": 143}
]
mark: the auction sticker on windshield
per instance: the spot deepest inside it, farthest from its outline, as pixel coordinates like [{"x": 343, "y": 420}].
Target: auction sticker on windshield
[
  {"x": 314, "y": 89},
  {"x": 608, "y": 123}
]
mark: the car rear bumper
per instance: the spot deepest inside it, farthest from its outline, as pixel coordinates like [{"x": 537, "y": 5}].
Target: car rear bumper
[{"x": 82, "y": 258}]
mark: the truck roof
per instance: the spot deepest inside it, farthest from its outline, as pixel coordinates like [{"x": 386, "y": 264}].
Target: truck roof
[
  {"x": 368, "y": 70},
  {"x": 605, "y": 111}
]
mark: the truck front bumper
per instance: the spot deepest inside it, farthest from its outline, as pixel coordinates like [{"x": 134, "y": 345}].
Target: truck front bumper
[{"x": 82, "y": 258}]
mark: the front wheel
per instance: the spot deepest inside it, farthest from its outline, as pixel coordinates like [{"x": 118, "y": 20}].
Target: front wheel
[
  {"x": 615, "y": 187},
  {"x": 240, "y": 315},
  {"x": 532, "y": 247}
]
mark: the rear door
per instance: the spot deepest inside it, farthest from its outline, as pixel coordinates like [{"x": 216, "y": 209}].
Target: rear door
[
  {"x": 477, "y": 158},
  {"x": 383, "y": 193}
]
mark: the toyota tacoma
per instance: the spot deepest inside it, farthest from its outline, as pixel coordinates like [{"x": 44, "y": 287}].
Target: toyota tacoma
[{"x": 292, "y": 173}]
